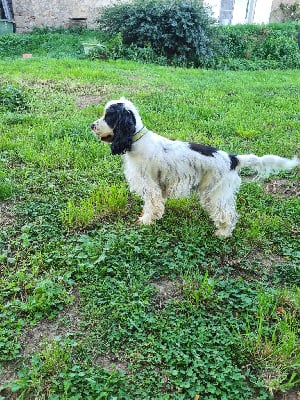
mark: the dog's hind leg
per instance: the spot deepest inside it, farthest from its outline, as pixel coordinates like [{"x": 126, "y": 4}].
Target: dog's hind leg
[
  {"x": 220, "y": 203},
  {"x": 223, "y": 215},
  {"x": 225, "y": 220}
]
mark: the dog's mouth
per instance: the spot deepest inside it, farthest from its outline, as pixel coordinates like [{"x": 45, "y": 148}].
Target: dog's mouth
[{"x": 107, "y": 139}]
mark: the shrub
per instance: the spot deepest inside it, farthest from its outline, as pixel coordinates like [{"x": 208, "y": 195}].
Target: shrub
[
  {"x": 175, "y": 29},
  {"x": 279, "y": 48},
  {"x": 259, "y": 46},
  {"x": 13, "y": 44}
]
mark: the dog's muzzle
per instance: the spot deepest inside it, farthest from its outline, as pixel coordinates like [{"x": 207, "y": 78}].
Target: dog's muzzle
[{"x": 107, "y": 138}]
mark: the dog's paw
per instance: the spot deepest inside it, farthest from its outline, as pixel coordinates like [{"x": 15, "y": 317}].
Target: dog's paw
[
  {"x": 223, "y": 233},
  {"x": 145, "y": 220}
]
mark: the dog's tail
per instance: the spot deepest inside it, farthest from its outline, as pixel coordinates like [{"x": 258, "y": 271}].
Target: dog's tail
[{"x": 266, "y": 165}]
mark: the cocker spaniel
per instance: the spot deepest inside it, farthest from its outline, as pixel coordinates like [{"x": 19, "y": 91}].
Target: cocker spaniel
[{"x": 157, "y": 168}]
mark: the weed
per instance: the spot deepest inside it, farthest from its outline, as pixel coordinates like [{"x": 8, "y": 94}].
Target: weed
[
  {"x": 198, "y": 288},
  {"x": 14, "y": 98},
  {"x": 6, "y": 188},
  {"x": 273, "y": 343}
]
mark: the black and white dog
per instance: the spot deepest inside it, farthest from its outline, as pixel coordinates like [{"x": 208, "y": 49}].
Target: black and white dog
[{"x": 157, "y": 168}]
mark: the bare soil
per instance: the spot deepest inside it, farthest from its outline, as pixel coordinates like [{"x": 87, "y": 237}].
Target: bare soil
[
  {"x": 166, "y": 290},
  {"x": 33, "y": 339},
  {"x": 7, "y": 215},
  {"x": 283, "y": 188},
  {"x": 88, "y": 100}
]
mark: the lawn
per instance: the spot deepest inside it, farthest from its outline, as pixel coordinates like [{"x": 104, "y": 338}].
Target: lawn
[{"x": 94, "y": 306}]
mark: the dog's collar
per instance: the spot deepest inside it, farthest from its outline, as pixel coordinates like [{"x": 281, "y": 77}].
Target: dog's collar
[{"x": 139, "y": 134}]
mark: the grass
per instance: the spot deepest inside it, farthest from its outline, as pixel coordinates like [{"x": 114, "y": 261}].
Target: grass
[
  {"x": 94, "y": 306},
  {"x": 104, "y": 201}
]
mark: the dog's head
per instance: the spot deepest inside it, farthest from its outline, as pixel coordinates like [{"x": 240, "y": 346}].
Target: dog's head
[{"x": 118, "y": 125}]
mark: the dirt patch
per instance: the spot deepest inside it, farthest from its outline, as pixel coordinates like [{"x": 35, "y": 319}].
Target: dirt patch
[
  {"x": 291, "y": 395},
  {"x": 33, "y": 339},
  {"x": 7, "y": 215},
  {"x": 66, "y": 323},
  {"x": 110, "y": 363},
  {"x": 283, "y": 188},
  {"x": 253, "y": 265},
  {"x": 8, "y": 374},
  {"x": 166, "y": 290},
  {"x": 88, "y": 100},
  {"x": 267, "y": 260},
  {"x": 255, "y": 256}
]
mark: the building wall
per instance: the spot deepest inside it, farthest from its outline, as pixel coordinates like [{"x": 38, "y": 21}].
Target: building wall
[
  {"x": 239, "y": 12},
  {"x": 29, "y": 14},
  {"x": 262, "y": 11},
  {"x": 254, "y": 11}
]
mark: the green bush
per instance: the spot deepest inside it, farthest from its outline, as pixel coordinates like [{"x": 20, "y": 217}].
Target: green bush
[
  {"x": 14, "y": 44},
  {"x": 181, "y": 31},
  {"x": 257, "y": 46},
  {"x": 279, "y": 48}
]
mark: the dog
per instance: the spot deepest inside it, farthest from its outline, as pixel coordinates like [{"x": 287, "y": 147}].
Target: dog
[{"x": 157, "y": 168}]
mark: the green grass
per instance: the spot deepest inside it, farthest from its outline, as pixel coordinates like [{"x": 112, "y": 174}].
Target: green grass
[
  {"x": 55, "y": 44},
  {"x": 105, "y": 201},
  {"x": 94, "y": 306}
]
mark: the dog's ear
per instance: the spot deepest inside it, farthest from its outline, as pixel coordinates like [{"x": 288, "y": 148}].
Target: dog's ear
[{"x": 123, "y": 132}]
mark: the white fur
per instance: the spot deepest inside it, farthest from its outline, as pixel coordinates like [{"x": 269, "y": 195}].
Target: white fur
[{"x": 157, "y": 168}]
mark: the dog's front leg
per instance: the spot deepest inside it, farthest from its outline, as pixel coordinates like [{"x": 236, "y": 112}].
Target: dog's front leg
[{"x": 154, "y": 206}]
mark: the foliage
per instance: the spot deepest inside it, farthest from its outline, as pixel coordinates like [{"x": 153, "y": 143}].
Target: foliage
[
  {"x": 258, "y": 46},
  {"x": 14, "y": 98},
  {"x": 105, "y": 308},
  {"x": 238, "y": 47},
  {"x": 174, "y": 29},
  {"x": 59, "y": 43}
]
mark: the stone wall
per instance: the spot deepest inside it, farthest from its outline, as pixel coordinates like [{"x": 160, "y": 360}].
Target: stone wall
[
  {"x": 276, "y": 13},
  {"x": 29, "y": 14}
]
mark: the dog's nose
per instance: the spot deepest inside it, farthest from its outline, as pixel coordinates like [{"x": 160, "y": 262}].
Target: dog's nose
[{"x": 93, "y": 126}]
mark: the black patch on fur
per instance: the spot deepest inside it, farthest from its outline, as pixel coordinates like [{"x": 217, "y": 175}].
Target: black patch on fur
[
  {"x": 208, "y": 151},
  {"x": 112, "y": 115},
  {"x": 233, "y": 161},
  {"x": 158, "y": 175},
  {"x": 162, "y": 185},
  {"x": 122, "y": 121}
]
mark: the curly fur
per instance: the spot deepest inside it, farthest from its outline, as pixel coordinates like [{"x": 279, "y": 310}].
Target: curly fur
[{"x": 157, "y": 168}]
